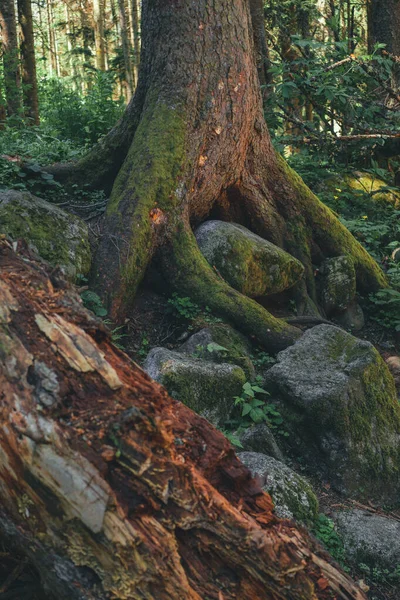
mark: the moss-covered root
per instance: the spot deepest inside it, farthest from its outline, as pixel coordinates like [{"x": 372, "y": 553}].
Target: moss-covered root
[
  {"x": 331, "y": 236},
  {"x": 190, "y": 274}
]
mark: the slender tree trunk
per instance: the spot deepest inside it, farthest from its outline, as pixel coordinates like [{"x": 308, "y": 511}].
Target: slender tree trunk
[
  {"x": 111, "y": 488},
  {"x": 260, "y": 43},
  {"x": 126, "y": 48},
  {"x": 135, "y": 18},
  {"x": 12, "y": 77},
  {"x": 52, "y": 40},
  {"x": 192, "y": 144},
  {"x": 98, "y": 20},
  {"x": 28, "y": 61}
]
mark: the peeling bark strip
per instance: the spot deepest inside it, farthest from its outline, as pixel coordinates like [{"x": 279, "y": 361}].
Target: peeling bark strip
[{"x": 114, "y": 490}]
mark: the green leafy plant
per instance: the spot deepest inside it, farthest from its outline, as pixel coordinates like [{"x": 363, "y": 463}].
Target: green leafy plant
[
  {"x": 380, "y": 575},
  {"x": 92, "y": 302},
  {"x": 144, "y": 347},
  {"x": 233, "y": 438},
  {"x": 184, "y": 307},
  {"x": 116, "y": 333},
  {"x": 325, "y": 531},
  {"x": 256, "y": 410}
]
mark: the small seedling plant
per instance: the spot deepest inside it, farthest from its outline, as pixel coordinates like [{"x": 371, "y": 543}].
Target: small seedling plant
[{"x": 255, "y": 410}]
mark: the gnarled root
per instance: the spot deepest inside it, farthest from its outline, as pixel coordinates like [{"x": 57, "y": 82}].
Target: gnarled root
[{"x": 190, "y": 274}]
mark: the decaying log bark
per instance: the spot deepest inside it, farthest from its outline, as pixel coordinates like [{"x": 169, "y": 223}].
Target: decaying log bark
[{"x": 114, "y": 490}]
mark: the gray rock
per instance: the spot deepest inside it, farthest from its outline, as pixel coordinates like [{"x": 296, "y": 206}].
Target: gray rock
[
  {"x": 206, "y": 387},
  {"x": 293, "y": 496},
  {"x": 237, "y": 350},
  {"x": 369, "y": 538},
  {"x": 352, "y": 318},
  {"x": 337, "y": 284},
  {"x": 338, "y": 401},
  {"x": 259, "y": 438},
  {"x": 249, "y": 263},
  {"x": 60, "y": 238}
]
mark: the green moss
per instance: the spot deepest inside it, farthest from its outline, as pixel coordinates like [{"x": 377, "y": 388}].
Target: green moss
[
  {"x": 149, "y": 181},
  {"x": 365, "y": 182},
  {"x": 331, "y": 236},
  {"x": 60, "y": 238},
  {"x": 191, "y": 275},
  {"x": 237, "y": 349},
  {"x": 210, "y": 394},
  {"x": 251, "y": 265}
]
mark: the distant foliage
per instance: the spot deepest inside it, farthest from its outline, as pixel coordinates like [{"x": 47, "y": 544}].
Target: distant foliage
[{"x": 77, "y": 117}]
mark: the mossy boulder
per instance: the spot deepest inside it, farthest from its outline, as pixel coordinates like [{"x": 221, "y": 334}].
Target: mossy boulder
[
  {"x": 250, "y": 264},
  {"x": 293, "y": 496},
  {"x": 372, "y": 539},
  {"x": 259, "y": 438},
  {"x": 59, "y": 237},
  {"x": 339, "y": 404},
  {"x": 337, "y": 284},
  {"x": 221, "y": 344},
  {"x": 376, "y": 188},
  {"x": 207, "y": 388}
]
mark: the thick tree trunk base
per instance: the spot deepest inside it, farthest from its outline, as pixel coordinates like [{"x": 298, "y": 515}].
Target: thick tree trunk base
[{"x": 114, "y": 490}]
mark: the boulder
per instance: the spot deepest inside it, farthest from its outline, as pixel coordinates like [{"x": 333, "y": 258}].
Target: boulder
[
  {"x": 293, "y": 496},
  {"x": 206, "y": 387},
  {"x": 339, "y": 405},
  {"x": 250, "y": 264},
  {"x": 221, "y": 344},
  {"x": 364, "y": 183},
  {"x": 369, "y": 538},
  {"x": 337, "y": 284},
  {"x": 352, "y": 318},
  {"x": 59, "y": 237},
  {"x": 259, "y": 438}
]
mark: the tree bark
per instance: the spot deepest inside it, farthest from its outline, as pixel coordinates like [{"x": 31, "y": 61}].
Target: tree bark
[
  {"x": 98, "y": 22},
  {"x": 27, "y": 48},
  {"x": 260, "y": 44},
  {"x": 111, "y": 488},
  {"x": 194, "y": 144},
  {"x": 135, "y": 19},
  {"x": 12, "y": 77},
  {"x": 126, "y": 48},
  {"x": 384, "y": 25}
]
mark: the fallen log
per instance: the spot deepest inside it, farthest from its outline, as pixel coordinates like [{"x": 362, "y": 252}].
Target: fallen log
[{"x": 112, "y": 489}]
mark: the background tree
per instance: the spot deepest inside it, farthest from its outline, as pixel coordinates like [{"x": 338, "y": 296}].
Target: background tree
[
  {"x": 28, "y": 61},
  {"x": 12, "y": 76}
]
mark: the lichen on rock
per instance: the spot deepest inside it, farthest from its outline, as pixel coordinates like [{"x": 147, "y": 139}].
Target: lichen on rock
[
  {"x": 293, "y": 496},
  {"x": 220, "y": 343},
  {"x": 339, "y": 404},
  {"x": 250, "y": 264},
  {"x": 57, "y": 236},
  {"x": 207, "y": 388},
  {"x": 337, "y": 283}
]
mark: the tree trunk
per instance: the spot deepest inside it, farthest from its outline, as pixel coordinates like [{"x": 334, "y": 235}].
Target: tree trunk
[
  {"x": 12, "y": 78},
  {"x": 260, "y": 44},
  {"x": 384, "y": 25},
  {"x": 194, "y": 144},
  {"x": 98, "y": 21},
  {"x": 111, "y": 488},
  {"x": 126, "y": 48},
  {"x": 135, "y": 18},
  {"x": 27, "y": 47},
  {"x": 384, "y": 28},
  {"x": 53, "y": 66}
]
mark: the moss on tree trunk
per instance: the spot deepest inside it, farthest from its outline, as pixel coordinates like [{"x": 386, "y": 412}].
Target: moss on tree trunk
[{"x": 194, "y": 142}]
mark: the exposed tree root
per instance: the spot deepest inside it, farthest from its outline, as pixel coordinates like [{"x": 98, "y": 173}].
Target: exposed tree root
[{"x": 191, "y": 274}]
